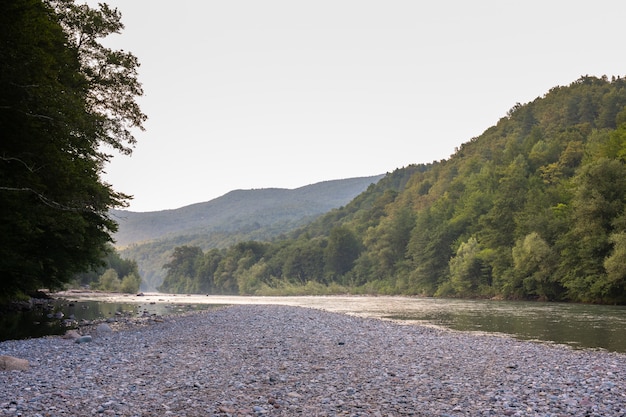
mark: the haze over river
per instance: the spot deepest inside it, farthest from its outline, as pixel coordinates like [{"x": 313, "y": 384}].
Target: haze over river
[{"x": 576, "y": 325}]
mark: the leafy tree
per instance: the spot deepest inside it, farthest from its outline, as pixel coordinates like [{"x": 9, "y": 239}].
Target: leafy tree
[
  {"x": 111, "y": 75},
  {"x": 55, "y": 113},
  {"x": 206, "y": 268},
  {"x": 237, "y": 260},
  {"x": 304, "y": 261},
  {"x": 126, "y": 268},
  {"x": 430, "y": 248},
  {"x": 467, "y": 271},
  {"x": 599, "y": 200},
  {"x": 535, "y": 266},
  {"x": 109, "y": 281},
  {"x": 342, "y": 250},
  {"x": 613, "y": 289},
  {"x": 130, "y": 283},
  {"x": 182, "y": 269}
]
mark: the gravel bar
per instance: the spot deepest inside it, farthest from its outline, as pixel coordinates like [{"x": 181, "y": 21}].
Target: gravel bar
[{"x": 253, "y": 360}]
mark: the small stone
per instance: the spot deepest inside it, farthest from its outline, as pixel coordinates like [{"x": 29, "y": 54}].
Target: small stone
[
  {"x": 11, "y": 363},
  {"x": 71, "y": 334},
  {"x": 83, "y": 339},
  {"x": 103, "y": 329}
]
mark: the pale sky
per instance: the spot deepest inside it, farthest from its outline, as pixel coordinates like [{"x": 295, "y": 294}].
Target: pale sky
[{"x": 258, "y": 94}]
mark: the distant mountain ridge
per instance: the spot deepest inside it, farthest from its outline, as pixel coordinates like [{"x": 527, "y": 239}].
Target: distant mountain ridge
[{"x": 239, "y": 209}]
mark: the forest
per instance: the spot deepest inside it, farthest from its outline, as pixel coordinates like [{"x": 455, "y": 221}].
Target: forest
[{"x": 534, "y": 208}]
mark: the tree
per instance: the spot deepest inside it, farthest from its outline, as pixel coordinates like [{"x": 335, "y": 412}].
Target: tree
[
  {"x": 535, "y": 265},
  {"x": 598, "y": 202},
  {"x": 341, "y": 252},
  {"x": 304, "y": 261},
  {"x": 614, "y": 287},
  {"x": 109, "y": 281},
  {"x": 130, "y": 283},
  {"x": 59, "y": 102},
  {"x": 182, "y": 269},
  {"x": 111, "y": 75},
  {"x": 468, "y": 274},
  {"x": 125, "y": 268}
]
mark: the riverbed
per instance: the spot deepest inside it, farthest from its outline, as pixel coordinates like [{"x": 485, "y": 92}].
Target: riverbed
[
  {"x": 276, "y": 360},
  {"x": 575, "y": 325}
]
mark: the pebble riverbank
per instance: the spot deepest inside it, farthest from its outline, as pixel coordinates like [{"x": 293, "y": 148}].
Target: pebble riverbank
[{"x": 268, "y": 360}]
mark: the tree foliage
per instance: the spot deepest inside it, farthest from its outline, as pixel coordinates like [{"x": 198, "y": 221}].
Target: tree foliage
[{"x": 62, "y": 97}]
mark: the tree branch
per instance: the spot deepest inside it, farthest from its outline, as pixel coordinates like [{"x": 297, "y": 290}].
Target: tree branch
[
  {"x": 48, "y": 202},
  {"x": 28, "y": 167}
]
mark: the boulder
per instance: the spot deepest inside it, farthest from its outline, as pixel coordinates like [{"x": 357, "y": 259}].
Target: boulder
[{"x": 10, "y": 363}]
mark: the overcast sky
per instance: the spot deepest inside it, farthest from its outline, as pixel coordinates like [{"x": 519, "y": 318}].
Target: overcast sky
[{"x": 257, "y": 94}]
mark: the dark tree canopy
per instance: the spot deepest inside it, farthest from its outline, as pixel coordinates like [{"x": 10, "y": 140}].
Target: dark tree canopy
[{"x": 61, "y": 98}]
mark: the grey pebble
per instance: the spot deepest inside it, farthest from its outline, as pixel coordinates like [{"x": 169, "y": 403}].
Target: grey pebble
[
  {"x": 285, "y": 361},
  {"x": 83, "y": 339}
]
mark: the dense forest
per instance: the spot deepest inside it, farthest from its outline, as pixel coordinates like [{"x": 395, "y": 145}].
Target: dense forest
[{"x": 534, "y": 208}]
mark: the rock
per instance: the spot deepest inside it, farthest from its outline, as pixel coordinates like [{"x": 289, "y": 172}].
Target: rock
[
  {"x": 140, "y": 294},
  {"x": 83, "y": 339},
  {"x": 71, "y": 334},
  {"x": 103, "y": 329},
  {"x": 10, "y": 363}
]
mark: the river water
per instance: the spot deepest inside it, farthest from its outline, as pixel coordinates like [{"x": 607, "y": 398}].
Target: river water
[{"x": 576, "y": 325}]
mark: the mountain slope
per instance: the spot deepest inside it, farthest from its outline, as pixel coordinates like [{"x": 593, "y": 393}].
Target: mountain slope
[{"x": 239, "y": 209}]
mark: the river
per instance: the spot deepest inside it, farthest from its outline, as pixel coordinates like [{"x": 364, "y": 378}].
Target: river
[{"x": 576, "y": 325}]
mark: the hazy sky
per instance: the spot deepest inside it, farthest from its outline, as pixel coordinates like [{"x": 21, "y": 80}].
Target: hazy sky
[{"x": 257, "y": 94}]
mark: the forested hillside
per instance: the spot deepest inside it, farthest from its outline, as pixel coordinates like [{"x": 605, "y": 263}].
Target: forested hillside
[
  {"x": 240, "y": 215},
  {"x": 533, "y": 208}
]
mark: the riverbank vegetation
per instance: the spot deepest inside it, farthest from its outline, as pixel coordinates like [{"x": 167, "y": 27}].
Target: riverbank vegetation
[
  {"x": 115, "y": 274},
  {"x": 66, "y": 102},
  {"x": 534, "y": 208}
]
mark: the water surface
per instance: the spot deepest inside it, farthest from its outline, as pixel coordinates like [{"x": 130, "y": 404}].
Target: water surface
[{"x": 575, "y": 325}]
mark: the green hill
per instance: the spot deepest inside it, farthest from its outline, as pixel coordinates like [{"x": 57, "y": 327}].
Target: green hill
[
  {"x": 261, "y": 214},
  {"x": 533, "y": 208}
]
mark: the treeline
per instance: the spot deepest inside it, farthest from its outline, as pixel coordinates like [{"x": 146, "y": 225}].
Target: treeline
[
  {"x": 152, "y": 255},
  {"x": 534, "y": 208}
]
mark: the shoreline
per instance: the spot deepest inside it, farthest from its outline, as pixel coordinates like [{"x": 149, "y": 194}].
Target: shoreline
[{"x": 251, "y": 360}]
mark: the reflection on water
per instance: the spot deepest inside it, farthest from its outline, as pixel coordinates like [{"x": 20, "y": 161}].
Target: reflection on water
[
  {"x": 59, "y": 316},
  {"x": 580, "y": 326},
  {"x": 576, "y": 325}
]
